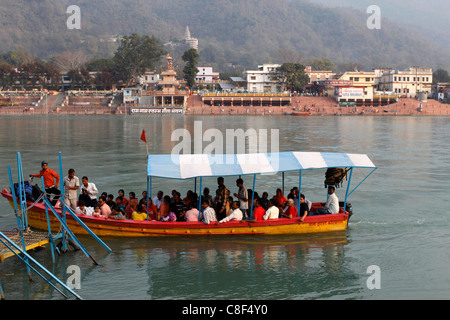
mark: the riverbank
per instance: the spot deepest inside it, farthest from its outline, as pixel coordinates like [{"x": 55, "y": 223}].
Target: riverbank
[{"x": 315, "y": 106}]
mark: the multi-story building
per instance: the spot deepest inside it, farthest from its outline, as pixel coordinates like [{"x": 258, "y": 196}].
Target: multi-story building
[
  {"x": 359, "y": 90},
  {"x": 149, "y": 79},
  {"x": 206, "y": 75},
  {"x": 260, "y": 81},
  {"x": 318, "y": 75},
  {"x": 408, "y": 83}
]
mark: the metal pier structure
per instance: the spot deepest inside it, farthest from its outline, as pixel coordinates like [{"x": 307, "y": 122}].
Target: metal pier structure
[
  {"x": 20, "y": 241},
  {"x": 32, "y": 240}
]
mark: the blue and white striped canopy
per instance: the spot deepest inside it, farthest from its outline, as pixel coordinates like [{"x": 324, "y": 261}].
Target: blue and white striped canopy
[{"x": 186, "y": 166}]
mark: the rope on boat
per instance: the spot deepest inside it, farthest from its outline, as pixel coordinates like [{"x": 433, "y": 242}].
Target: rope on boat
[{"x": 28, "y": 208}]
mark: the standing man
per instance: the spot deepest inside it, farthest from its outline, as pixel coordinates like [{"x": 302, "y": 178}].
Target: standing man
[
  {"x": 242, "y": 195},
  {"x": 51, "y": 180},
  {"x": 222, "y": 194},
  {"x": 71, "y": 185},
  {"x": 88, "y": 192}
]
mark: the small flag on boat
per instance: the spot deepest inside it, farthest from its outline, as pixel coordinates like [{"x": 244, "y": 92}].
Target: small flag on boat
[{"x": 143, "y": 138}]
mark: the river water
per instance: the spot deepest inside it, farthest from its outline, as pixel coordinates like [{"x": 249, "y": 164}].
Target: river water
[{"x": 400, "y": 225}]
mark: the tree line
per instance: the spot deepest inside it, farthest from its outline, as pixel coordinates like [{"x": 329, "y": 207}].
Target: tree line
[{"x": 135, "y": 54}]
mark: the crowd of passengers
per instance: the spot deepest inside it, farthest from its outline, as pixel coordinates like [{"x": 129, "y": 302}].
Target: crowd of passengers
[{"x": 220, "y": 208}]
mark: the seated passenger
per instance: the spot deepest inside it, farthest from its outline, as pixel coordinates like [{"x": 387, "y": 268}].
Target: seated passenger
[
  {"x": 169, "y": 216},
  {"x": 96, "y": 212},
  {"x": 236, "y": 214},
  {"x": 209, "y": 214},
  {"x": 164, "y": 208},
  {"x": 304, "y": 209},
  {"x": 280, "y": 200},
  {"x": 82, "y": 209},
  {"x": 139, "y": 214},
  {"x": 105, "y": 210},
  {"x": 152, "y": 210},
  {"x": 179, "y": 207},
  {"x": 258, "y": 213},
  {"x": 332, "y": 204},
  {"x": 291, "y": 211},
  {"x": 124, "y": 200},
  {"x": 110, "y": 201},
  {"x": 192, "y": 213},
  {"x": 265, "y": 201},
  {"x": 206, "y": 195},
  {"x": 131, "y": 207},
  {"x": 118, "y": 212},
  {"x": 273, "y": 212}
]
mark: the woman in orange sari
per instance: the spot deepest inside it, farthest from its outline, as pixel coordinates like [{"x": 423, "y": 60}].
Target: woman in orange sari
[{"x": 280, "y": 200}]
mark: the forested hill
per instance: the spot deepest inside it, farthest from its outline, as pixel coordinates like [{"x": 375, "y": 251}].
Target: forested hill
[{"x": 245, "y": 32}]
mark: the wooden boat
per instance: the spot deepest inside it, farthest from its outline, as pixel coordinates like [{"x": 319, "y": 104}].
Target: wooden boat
[
  {"x": 301, "y": 113},
  {"x": 199, "y": 166}
]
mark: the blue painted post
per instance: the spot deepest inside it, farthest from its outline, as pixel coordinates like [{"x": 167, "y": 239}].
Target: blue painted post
[
  {"x": 13, "y": 193},
  {"x": 10, "y": 245},
  {"x": 253, "y": 197},
  {"x": 200, "y": 201},
  {"x": 299, "y": 191},
  {"x": 148, "y": 193},
  {"x": 22, "y": 194},
  {"x": 66, "y": 229},
  {"x": 77, "y": 219},
  {"x": 2, "y": 295},
  {"x": 50, "y": 237},
  {"x": 62, "y": 202},
  {"x": 18, "y": 218},
  {"x": 348, "y": 187}
]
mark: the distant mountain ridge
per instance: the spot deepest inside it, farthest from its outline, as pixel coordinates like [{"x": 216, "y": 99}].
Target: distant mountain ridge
[{"x": 245, "y": 32}]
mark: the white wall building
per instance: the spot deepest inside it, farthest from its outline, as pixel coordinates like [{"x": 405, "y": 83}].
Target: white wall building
[
  {"x": 260, "y": 81},
  {"x": 206, "y": 75},
  {"x": 407, "y": 83},
  {"x": 149, "y": 78}
]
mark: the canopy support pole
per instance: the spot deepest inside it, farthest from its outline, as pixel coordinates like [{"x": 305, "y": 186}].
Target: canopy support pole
[
  {"x": 253, "y": 197},
  {"x": 282, "y": 181},
  {"x": 362, "y": 181},
  {"x": 149, "y": 191},
  {"x": 62, "y": 204},
  {"x": 348, "y": 187},
  {"x": 200, "y": 201},
  {"x": 299, "y": 190}
]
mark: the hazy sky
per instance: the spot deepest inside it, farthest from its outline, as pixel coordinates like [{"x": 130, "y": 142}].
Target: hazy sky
[{"x": 429, "y": 14}]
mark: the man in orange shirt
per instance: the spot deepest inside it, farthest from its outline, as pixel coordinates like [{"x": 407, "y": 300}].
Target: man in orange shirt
[{"x": 51, "y": 180}]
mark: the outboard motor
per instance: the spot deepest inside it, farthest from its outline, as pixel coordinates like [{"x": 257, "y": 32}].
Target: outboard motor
[{"x": 348, "y": 208}]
